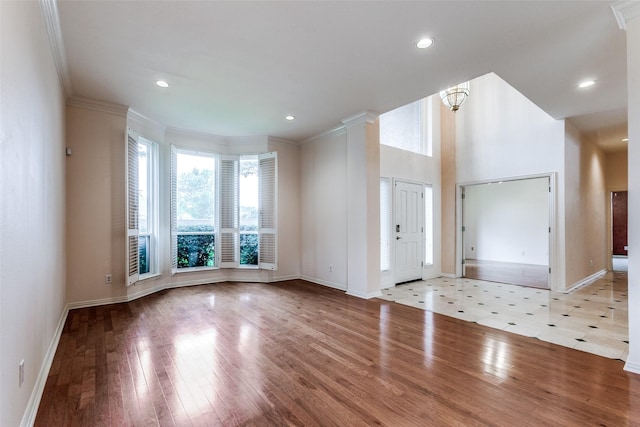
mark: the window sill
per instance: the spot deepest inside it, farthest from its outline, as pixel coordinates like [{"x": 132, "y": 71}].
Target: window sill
[
  {"x": 148, "y": 276},
  {"x": 193, "y": 269}
]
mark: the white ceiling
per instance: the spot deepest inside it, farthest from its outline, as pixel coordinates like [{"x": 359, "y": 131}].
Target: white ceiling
[{"x": 238, "y": 67}]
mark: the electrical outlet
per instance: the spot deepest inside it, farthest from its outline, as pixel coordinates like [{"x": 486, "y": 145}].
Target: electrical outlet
[
  {"x": 21, "y": 373},
  {"x": 108, "y": 279},
  {"x": 330, "y": 268}
]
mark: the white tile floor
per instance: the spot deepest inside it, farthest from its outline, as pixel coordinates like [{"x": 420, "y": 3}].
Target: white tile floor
[{"x": 592, "y": 319}]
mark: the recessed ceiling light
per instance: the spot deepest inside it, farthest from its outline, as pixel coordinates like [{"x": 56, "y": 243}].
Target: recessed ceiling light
[
  {"x": 289, "y": 117},
  {"x": 625, "y": 140},
  {"x": 586, "y": 83},
  {"x": 424, "y": 43},
  {"x": 162, "y": 83}
]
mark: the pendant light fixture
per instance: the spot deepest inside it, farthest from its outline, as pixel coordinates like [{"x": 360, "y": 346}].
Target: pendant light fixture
[{"x": 455, "y": 96}]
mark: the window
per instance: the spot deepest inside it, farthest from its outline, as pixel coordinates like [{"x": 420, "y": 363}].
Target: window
[
  {"x": 193, "y": 199},
  {"x": 148, "y": 207},
  {"x": 385, "y": 224},
  {"x": 408, "y": 127},
  {"x": 428, "y": 225},
  {"x": 234, "y": 226},
  {"x": 249, "y": 210},
  {"x": 142, "y": 208}
]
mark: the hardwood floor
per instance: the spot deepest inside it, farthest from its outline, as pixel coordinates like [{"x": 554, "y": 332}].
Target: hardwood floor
[
  {"x": 294, "y": 353},
  {"x": 536, "y": 276}
]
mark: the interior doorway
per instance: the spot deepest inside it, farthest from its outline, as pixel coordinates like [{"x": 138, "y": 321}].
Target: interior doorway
[
  {"x": 409, "y": 231},
  {"x": 619, "y": 222},
  {"x": 506, "y": 231}
]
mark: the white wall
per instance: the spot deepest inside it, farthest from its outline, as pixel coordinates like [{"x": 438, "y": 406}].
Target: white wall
[
  {"x": 32, "y": 205},
  {"x": 323, "y": 175},
  {"x": 508, "y": 221},
  {"x": 500, "y": 134},
  {"x": 633, "y": 87}
]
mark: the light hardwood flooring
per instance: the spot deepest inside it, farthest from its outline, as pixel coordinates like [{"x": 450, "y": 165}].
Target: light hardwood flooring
[
  {"x": 294, "y": 353},
  {"x": 508, "y": 272}
]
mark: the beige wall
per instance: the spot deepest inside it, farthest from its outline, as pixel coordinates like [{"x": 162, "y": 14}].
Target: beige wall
[
  {"x": 32, "y": 208},
  {"x": 448, "y": 197},
  {"x": 585, "y": 202},
  {"x": 95, "y": 204},
  {"x": 323, "y": 210},
  {"x": 289, "y": 238},
  {"x": 616, "y": 170}
]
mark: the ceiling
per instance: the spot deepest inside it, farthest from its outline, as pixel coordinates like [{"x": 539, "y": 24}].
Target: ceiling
[{"x": 237, "y": 68}]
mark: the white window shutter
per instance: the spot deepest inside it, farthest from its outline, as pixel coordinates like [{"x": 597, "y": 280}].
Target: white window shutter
[
  {"x": 133, "y": 267},
  {"x": 267, "y": 220},
  {"x": 229, "y": 218},
  {"x": 174, "y": 208}
]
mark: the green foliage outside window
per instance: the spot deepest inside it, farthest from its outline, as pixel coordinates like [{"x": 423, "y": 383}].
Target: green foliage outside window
[
  {"x": 196, "y": 250},
  {"x": 248, "y": 249}
]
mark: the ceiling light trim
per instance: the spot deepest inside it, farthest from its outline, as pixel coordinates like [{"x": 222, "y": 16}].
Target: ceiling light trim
[
  {"x": 56, "y": 43},
  {"x": 425, "y": 43},
  {"x": 624, "y": 11}
]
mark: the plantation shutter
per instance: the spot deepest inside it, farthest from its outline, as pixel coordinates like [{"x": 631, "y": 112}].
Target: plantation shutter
[
  {"x": 174, "y": 208},
  {"x": 267, "y": 220},
  {"x": 229, "y": 211},
  {"x": 133, "y": 268}
]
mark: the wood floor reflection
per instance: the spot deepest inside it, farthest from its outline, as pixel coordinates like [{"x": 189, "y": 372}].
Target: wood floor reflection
[
  {"x": 535, "y": 276},
  {"x": 295, "y": 353}
]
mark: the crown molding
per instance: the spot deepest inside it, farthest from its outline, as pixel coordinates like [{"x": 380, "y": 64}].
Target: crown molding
[
  {"x": 334, "y": 131},
  {"x": 52, "y": 22},
  {"x": 360, "y": 118},
  {"x": 276, "y": 140},
  {"x": 94, "y": 105},
  {"x": 143, "y": 120},
  {"x": 175, "y": 131},
  {"x": 624, "y": 11}
]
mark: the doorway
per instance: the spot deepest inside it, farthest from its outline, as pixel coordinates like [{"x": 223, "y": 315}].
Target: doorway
[
  {"x": 506, "y": 231},
  {"x": 409, "y": 231},
  {"x": 619, "y": 222}
]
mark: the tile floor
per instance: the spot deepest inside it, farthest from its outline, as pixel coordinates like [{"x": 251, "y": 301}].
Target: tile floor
[{"x": 592, "y": 319}]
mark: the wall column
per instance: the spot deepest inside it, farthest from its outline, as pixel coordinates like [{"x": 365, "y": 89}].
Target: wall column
[
  {"x": 363, "y": 205},
  {"x": 628, "y": 15}
]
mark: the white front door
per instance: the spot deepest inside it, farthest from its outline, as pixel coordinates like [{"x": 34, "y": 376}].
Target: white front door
[{"x": 409, "y": 230}]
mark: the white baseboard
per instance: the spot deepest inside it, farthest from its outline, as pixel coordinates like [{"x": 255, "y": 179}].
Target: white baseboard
[
  {"x": 365, "y": 295},
  {"x": 324, "y": 283},
  {"x": 632, "y": 367},
  {"x": 586, "y": 281},
  {"x": 29, "y": 417}
]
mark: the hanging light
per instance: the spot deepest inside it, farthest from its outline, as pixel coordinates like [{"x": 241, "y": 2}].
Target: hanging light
[{"x": 455, "y": 96}]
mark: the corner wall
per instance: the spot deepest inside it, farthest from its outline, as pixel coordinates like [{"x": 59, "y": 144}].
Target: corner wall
[
  {"x": 323, "y": 177},
  {"x": 585, "y": 201},
  {"x": 32, "y": 209}
]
